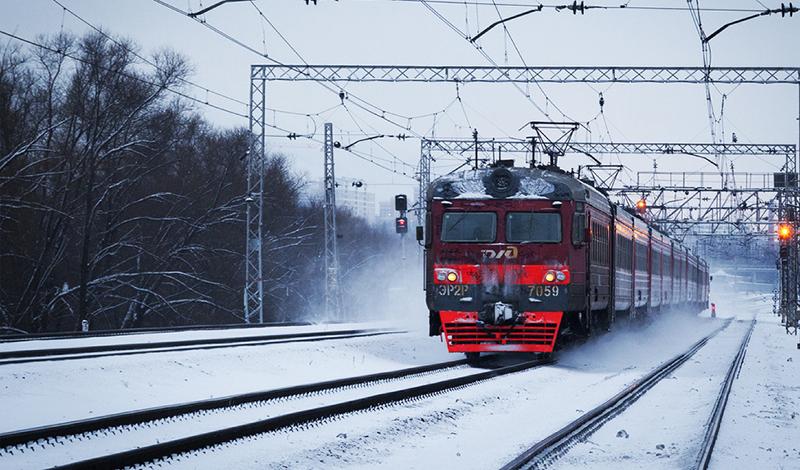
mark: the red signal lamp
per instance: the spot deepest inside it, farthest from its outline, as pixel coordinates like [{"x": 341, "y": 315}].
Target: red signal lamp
[{"x": 401, "y": 225}]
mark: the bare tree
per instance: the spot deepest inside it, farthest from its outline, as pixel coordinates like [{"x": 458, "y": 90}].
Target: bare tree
[{"x": 120, "y": 205}]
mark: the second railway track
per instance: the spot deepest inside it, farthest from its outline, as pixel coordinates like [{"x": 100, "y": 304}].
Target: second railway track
[
  {"x": 144, "y": 435},
  {"x": 123, "y": 349},
  {"x": 550, "y": 449}
]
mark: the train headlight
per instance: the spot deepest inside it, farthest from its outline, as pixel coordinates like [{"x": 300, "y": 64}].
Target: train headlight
[
  {"x": 560, "y": 275},
  {"x": 550, "y": 276},
  {"x": 446, "y": 275}
]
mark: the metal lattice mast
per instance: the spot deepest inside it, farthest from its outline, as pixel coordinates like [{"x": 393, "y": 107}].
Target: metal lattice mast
[
  {"x": 254, "y": 273},
  {"x": 424, "y": 178},
  {"x": 333, "y": 304},
  {"x": 789, "y": 266}
]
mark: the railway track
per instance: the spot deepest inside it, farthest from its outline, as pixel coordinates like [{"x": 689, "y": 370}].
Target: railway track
[
  {"x": 145, "y": 435},
  {"x": 17, "y": 337},
  {"x": 547, "y": 451},
  {"x": 714, "y": 422},
  {"x": 123, "y": 349}
]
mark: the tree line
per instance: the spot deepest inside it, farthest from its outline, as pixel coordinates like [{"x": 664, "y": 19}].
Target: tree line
[{"x": 120, "y": 204}]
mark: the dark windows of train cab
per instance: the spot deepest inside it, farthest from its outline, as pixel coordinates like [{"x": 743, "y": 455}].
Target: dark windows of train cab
[{"x": 469, "y": 227}]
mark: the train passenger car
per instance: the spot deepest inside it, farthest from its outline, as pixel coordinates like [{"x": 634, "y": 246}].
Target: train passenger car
[{"x": 518, "y": 257}]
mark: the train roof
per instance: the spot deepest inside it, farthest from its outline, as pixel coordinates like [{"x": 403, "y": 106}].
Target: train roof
[
  {"x": 528, "y": 183},
  {"x": 515, "y": 183}
]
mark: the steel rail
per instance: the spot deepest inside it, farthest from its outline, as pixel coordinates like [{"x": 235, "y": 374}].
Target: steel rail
[
  {"x": 105, "y": 350},
  {"x": 24, "y": 436},
  {"x": 557, "y": 443},
  {"x": 201, "y": 441},
  {"x": 17, "y": 337},
  {"x": 713, "y": 425}
]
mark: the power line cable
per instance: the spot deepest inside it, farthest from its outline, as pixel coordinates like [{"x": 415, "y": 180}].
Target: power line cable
[
  {"x": 557, "y": 6},
  {"x": 297, "y": 53},
  {"x": 121, "y": 73},
  {"x": 286, "y": 41},
  {"x": 522, "y": 58},
  {"x": 395, "y": 159},
  {"x": 494, "y": 63},
  {"x": 375, "y": 110},
  {"x": 357, "y": 101},
  {"x": 140, "y": 57},
  {"x": 291, "y": 134}
]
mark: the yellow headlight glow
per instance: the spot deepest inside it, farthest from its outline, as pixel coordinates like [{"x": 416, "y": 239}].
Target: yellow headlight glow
[
  {"x": 550, "y": 276},
  {"x": 452, "y": 277}
]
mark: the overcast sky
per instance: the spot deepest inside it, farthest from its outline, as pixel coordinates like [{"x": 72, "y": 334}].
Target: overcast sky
[{"x": 405, "y": 32}]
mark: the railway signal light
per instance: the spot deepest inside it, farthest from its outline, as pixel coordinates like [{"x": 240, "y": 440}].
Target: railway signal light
[
  {"x": 401, "y": 225},
  {"x": 400, "y": 202},
  {"x": 785, "y": 232},
  {"x": 641, "y": 206}
]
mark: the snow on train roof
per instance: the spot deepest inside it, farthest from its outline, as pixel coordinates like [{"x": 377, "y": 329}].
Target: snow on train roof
[
  {"x": 513, "y": 183},
  {"x": 527, "y": 183}
]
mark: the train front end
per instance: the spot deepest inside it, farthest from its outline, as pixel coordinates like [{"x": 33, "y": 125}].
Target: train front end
[{"x": 498, "y": 271}]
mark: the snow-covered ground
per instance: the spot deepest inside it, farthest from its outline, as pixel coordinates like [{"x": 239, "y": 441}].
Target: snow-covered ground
[
  {"x": 40, "y": 393},
  {"x": 761, "y": 425},
  {"x": 664, "y": 429},
  {"x": 126, "y": 437},
  {"x": 479, "y": 426}
]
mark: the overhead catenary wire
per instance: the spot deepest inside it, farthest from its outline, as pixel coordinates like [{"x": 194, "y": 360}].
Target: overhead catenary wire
[
  {"x": 481, "y": 51},
  {"x": 199, "y": 86},
  {"x": 122, "y": 73},
  {"x": 142, "y": 58},
  {"x": 193, "y": 99},
  {"x": 264, "y": 18},
  {"x": 395, "y": 159},
  {"x": 522, "y": 59},
  {"x": 356, "y": 153},
  {"x": 534, "y": 4},
  {"x": 187, "y": 81},
  {"x": 494, "y": 63},
  {"x": 328, "y": 84}
]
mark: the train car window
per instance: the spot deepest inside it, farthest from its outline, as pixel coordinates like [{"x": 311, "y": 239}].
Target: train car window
[
  {"x": 469, "y": 227},
  {"x": 536, "y": 227},
  {"x": 641, "y": 257},
  {"x": 656, "y": 263},
  {"x": 624, "y": 253},
  {"x": 629, "y": 254},
  {"x": 578, "y": 227},
  {"x": 599, "y": 254}
]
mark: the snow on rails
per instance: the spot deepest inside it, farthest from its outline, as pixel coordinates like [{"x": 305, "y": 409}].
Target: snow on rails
[{"x": 141, "y": 436}]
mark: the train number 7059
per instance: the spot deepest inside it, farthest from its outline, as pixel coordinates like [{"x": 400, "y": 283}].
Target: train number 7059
[{"x": 543, "y": 291}]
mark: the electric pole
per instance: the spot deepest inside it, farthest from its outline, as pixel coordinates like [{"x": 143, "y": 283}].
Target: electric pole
[{"x": 333, "y": 302}]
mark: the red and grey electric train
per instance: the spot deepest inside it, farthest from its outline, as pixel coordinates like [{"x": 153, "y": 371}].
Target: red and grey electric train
[{"x": 516, "y": 258}]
